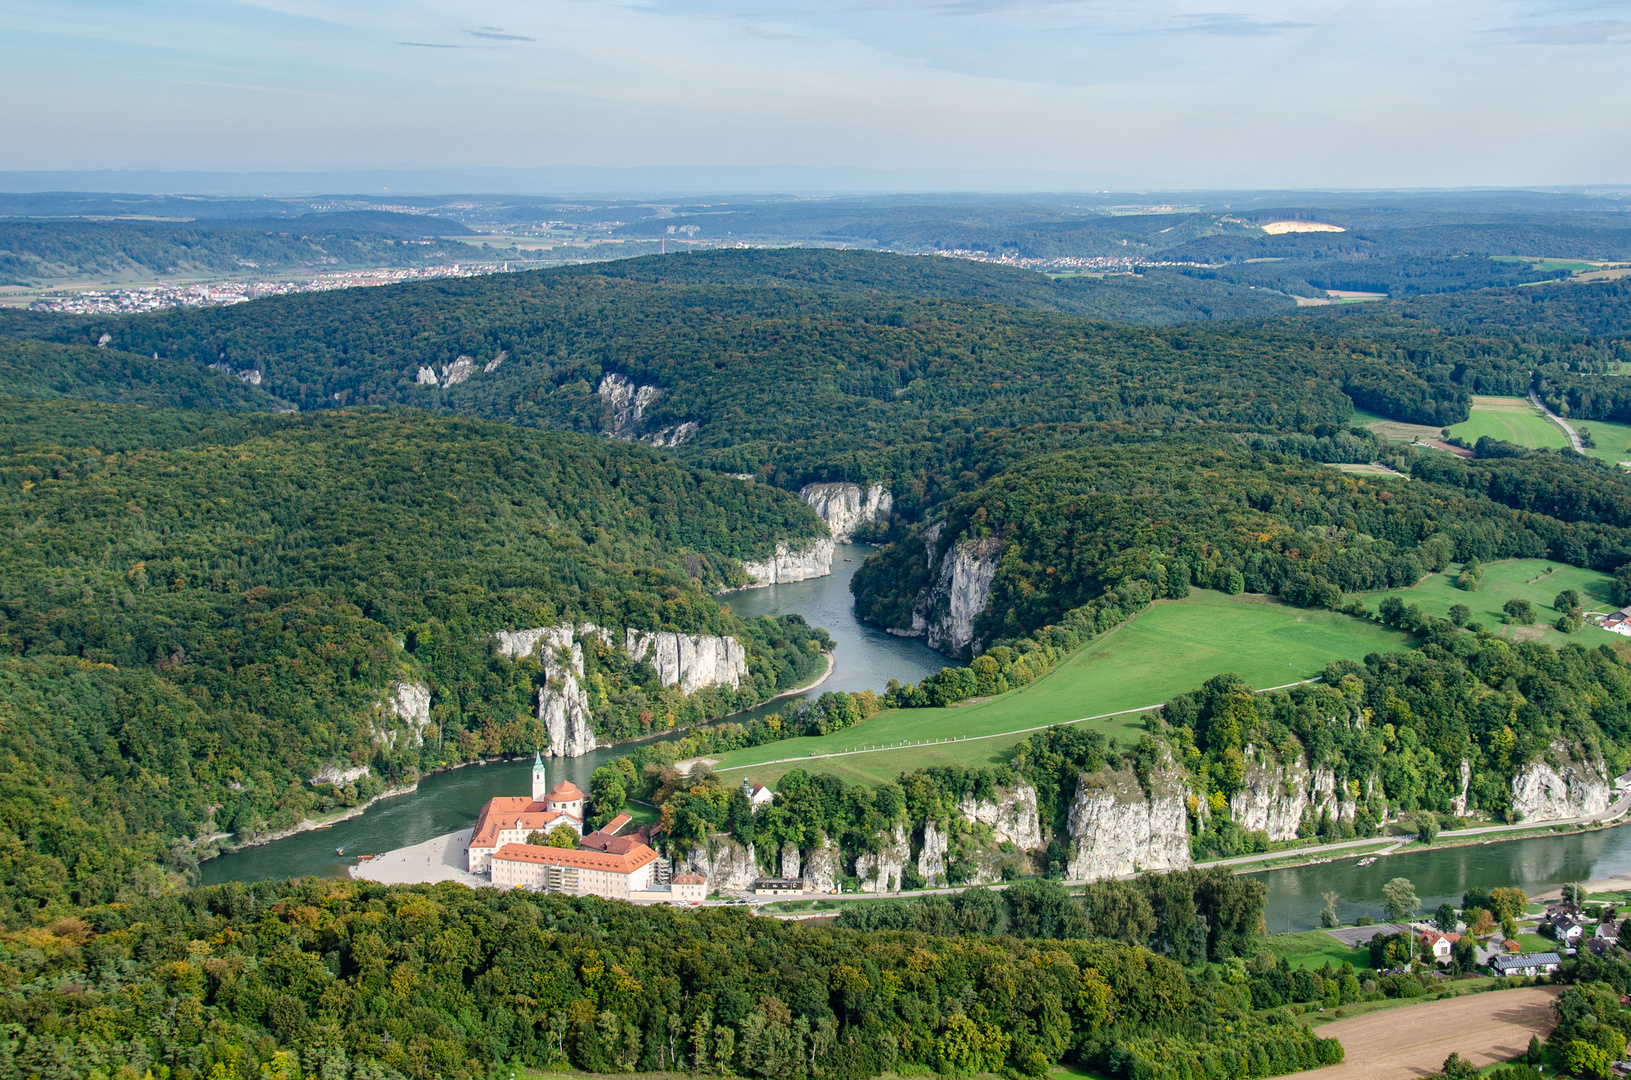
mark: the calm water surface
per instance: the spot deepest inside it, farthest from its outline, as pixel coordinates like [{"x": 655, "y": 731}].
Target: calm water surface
[
  {"x": 1443, "y": 874},
  {"x": 864, "y": 658}
]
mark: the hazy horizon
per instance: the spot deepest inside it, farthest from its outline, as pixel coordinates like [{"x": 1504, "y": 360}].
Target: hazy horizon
[{"x": 991, "y": 95}]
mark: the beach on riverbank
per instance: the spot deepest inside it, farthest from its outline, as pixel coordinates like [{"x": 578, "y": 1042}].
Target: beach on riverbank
[{"x": 440, "y": 858}]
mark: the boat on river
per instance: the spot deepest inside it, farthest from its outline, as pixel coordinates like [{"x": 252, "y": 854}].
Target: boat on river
[{"x": 1367, "y": 860}]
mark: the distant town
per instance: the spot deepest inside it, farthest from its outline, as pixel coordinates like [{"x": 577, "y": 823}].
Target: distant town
[{"x": 211, "y": 294}]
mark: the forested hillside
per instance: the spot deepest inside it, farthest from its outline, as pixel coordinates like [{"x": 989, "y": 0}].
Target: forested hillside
[
  {"x": 194, "y": 626},
  {"x": 40, "y": 369},
  {"x": 1210, "y": 510},
  {"x": 797, "y": 382}
]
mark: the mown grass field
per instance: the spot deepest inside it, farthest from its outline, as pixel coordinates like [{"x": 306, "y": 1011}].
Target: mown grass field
[
  {"x": 1171, "y": 648},
  {"x": 1314, "y": 948},
  {"x": 1535, "y": 580},
  {"x": 1613, "y": 440},
  {"x": 1512, "y": 420}
]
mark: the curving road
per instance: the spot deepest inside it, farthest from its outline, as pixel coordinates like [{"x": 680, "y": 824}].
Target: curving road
[{"x": 1534, "y": 399}]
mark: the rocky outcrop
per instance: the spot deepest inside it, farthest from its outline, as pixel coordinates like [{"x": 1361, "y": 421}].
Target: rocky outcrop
[
  {"x": 1279, "y": 798},
  {"x": 788, "y": 565},
  {"x": 562, "y": 704},
  {"x": 410, "y": 703},
  {"x": 1559, "y": 788},
  {"x": 1011, "y": 814},
  {"x": 728, "y": 866},
  {"x": 1116, "y": 830},
  {"x": 629, "y": 402},
  {"x": 944, "y": 612},
  {"x": 846, "y": 507},
  {"x": 882, "y": 871},
  {"x": 822, "y": 867},
  {"x": 492, "y": 365},
  {"x": 790, "y": 861},
  {"x": 331, "y": 773},
  {"x": 931, "y": 860},
  {"x": 1458, "y": 805},
  {"x": 689, "y": 661},
  {"x": 458, "y": 371}
]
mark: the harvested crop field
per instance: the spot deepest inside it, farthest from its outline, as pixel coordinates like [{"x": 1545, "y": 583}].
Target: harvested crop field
[{"x": 1414, "y": 1040}]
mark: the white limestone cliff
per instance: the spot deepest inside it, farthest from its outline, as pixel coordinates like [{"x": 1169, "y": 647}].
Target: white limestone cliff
[
  {"x": 1458, "y": 805},
  {"x": 1277, "y": 797},
  {"x": 331, "y": 773},
  {"x": 728, "y": 866},
  {"x": 1115, "y": 830},
  {"x": 629, "y": 402},
  {"x": 931, "y": 860},
  {"x": 1570, "y": 788},
  {"x": 846, "y": 507},
  {"x": 1012, "y": 815},
  {"x": 944, "y": 612},
  {"x": 689, "y": 661},
  {"x": 790, "y": 861},
  {"x": 410, "y": 703},
  {"x": 788, "y": 565},
  {"x": 822, "y": 869},
  {"x": 882, "y": 871},
  {"x": 458, "y": 371}
]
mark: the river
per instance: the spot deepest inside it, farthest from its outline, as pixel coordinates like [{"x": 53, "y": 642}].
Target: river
[
  {"x": 866, "y": 658},
  {"x": 863, "y": 658},
  {"x": 1441, "y": 874}
]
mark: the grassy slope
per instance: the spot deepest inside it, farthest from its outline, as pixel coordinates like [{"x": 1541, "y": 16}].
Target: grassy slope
[
  {"x": 1511, "y": 420},
  {"x": 1613, "y": 440},
  {"x": 1536, "y": 580},
  {"x": 1312, "y": 948},
  {"x": 1171, "y": 648}
]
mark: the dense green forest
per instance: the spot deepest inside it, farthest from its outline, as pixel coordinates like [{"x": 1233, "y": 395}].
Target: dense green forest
[
  {"x": 195, "y": 621},
  {"x": 39, "y": 369},
  {"x": 806, "y": 368}
]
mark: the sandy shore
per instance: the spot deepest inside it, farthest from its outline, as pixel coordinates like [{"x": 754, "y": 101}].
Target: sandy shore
[{"x": 439, "y": 859}]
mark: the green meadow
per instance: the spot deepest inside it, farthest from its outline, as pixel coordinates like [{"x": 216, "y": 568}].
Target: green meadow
[
  {"x": 1613, "y": 440},
  {"x": 1535, "y": 580},
  {"x": 1172, "y": 647},
  {"x": 1512, "y": 420}
]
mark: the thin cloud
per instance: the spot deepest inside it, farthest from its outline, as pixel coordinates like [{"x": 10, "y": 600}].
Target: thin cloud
[
  {"x": 493, "y": 33},
  {"x": 1229, "y": 24},
  {"x": 432, "y": 45},
  {"x": 1595, "y": 33}
]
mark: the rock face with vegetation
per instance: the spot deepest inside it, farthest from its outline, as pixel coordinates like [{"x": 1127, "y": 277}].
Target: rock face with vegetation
[
  {"x": 1281, "y": 797},
  {"x": 690, "y": 661},
  {"x": 944, "y": 611},
  {"x": 884, "y": 870},
  {"x": 789, "y": 865},
  {"x": 410, "y": 703},
  {"x": 822, "y": 868},
  {"x": 848, "y": 507},
  {"x": 788, "y": 564},
  {"x": 728, "y": 865},
  {"x": 1118, "y": 827},
  {"x": 1011, "y": 814},
  {"x": 1559, "y": 786}
]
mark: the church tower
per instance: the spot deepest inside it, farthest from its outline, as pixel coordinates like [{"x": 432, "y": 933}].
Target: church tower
[{"x": 539, "y": 786}]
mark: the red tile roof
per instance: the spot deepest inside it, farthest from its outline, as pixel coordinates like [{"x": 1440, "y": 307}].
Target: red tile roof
[
  {"x": 624, "y": 863},
  {"x": 565, "y": 791},
  {"x": 504, "y": 811},
  {"x": 690, "y": 879}
]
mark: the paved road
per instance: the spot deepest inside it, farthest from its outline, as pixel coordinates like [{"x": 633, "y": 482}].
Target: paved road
[{"x": 1579, "y": 447}]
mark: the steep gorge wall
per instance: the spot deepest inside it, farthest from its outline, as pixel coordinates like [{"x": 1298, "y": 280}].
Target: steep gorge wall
[
  {"x": 1116, "y": 830},
  {"x": 690, "y": 661},
  {"x": 847, "y": 507},
  {"x": 788, "y": 565},
  {"x": 1562, "y": 788},
  {"x": 943, "y": 612},
  {"x": 1276, "y": 796},
  {"x": 726, "y": 864},
  {"x": 628, "y": 402}
]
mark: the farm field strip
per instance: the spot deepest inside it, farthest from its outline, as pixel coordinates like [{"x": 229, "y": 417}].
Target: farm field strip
[{"x": 1512, "y": 420}]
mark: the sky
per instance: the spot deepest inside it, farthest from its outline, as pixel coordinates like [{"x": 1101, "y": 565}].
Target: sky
[{"x": 1426, "y": 93}]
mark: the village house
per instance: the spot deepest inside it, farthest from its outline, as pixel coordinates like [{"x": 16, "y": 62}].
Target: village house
[
  {"x": 511, "y": 819},
  {"x": 1439, "y": 946},
  {"x": 1618, "y": 622},
  {"x": 758, "y": 795},
  {"x": 1528, "y": 964}
]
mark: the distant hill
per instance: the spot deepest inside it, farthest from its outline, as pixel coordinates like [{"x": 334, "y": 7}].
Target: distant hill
[{"x": 40, "y": 369}]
